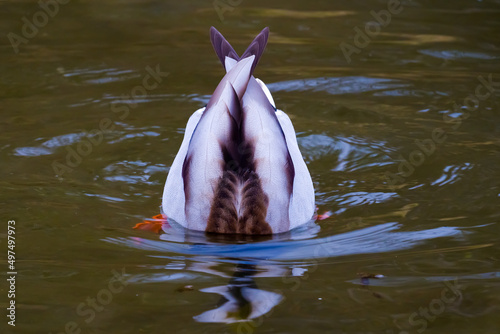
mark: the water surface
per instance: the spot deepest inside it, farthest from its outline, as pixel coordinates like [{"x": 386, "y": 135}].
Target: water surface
[{"x": 402, "y": 145}]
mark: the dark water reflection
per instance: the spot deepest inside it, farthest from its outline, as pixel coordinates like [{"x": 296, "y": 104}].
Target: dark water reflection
[{"x": 409, "y": 171}]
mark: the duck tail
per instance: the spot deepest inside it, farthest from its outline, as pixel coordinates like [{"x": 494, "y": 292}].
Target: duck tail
[
  {"x": 222, "y": 47},
  {"x": 224, "y": 50},
  {"x": 257, "y": 47}
]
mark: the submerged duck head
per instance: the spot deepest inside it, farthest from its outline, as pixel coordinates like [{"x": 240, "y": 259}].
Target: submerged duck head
[{"x": 239, "y": 168}]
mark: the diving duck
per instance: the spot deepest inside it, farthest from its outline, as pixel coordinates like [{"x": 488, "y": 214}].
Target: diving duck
[{"x": 239, "y": 169}]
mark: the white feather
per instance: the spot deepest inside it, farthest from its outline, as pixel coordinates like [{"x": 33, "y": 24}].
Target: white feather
[{"x": 173, "y": 202}]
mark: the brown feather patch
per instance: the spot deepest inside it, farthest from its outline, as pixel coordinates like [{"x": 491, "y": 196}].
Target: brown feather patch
[{"x": 239, "y": 205}]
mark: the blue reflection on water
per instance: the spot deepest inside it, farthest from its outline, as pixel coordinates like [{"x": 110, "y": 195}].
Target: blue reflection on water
[
  {"x": 385, "y": 237},
  {"x": 337, "y": 86}
]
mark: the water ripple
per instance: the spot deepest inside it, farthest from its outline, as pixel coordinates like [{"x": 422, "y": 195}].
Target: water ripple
[
  {"x": 134, "y": 172},
  {"x": 361, "y": 198},
  {"x": 49, "y": 146},
  {"x": 337, "y": 86},
  {"x": 100, "y": 76},
  {"x": 452, "y": 174},
  {"x": 456, "y": 54},
  {"x": 374, "y": 239},
  {"x": 352, "y": 153}
]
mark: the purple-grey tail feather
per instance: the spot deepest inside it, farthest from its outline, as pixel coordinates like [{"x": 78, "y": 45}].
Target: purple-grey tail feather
[
  {"x": 223, "y": 49},
  {"x": 257, "y": 47}
]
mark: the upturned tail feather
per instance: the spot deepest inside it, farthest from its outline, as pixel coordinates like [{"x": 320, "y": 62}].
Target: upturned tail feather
[{"x": 223, "y": 49}]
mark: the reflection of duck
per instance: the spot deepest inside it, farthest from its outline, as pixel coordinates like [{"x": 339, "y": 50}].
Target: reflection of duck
[
  {"x": 241, "y": 299},
  {"x": 239, "y": 168}
]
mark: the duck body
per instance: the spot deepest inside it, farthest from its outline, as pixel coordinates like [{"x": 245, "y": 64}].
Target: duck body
[{"x": 239, "y": 168}]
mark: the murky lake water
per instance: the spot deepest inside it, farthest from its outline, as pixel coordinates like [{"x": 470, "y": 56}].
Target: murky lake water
[{"x": 400, "y": 132}]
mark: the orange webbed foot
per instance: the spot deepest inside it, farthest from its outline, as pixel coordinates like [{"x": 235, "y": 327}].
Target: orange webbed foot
[
  {"x": 323, "y": 216},
  {"x": 154, "y": 224}
]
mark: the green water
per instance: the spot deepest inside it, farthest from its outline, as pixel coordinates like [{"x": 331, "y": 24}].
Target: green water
[{"x": 400, "y": 132}]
